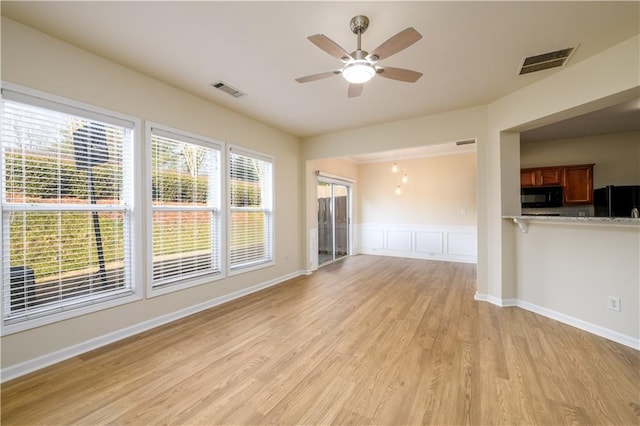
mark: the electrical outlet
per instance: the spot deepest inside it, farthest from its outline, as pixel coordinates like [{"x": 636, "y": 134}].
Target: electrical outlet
[{"x": 613, "y": 303}]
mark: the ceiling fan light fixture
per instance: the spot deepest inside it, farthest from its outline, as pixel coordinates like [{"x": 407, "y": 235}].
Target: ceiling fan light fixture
[{"x": 358, "y": 72}]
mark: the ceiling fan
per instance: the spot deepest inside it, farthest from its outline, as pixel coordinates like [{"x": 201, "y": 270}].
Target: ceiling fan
[{"x": 360, "y": 66}]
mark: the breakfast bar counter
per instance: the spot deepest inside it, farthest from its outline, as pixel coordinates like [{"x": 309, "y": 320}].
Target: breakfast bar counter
[{"x": 524, "y": 220}]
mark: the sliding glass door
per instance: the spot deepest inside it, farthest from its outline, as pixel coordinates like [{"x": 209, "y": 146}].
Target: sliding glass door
[{"x": 333, "y": 220}]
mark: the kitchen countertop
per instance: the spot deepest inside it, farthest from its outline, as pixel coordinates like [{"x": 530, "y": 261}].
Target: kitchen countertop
[{"x": 523, "y": 220}]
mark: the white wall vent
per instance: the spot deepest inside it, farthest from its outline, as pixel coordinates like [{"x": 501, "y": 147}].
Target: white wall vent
[
  {"x": 227, "y": 89},
  {"x": 545, "y": 61}
]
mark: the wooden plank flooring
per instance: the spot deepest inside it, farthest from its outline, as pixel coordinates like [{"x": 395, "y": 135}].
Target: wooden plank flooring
[{"x": 367, "y": 340}]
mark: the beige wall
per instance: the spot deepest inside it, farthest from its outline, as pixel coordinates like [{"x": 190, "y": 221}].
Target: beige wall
[
  {"x": 335, "y": 166},
  {"x": 438, "y": 189},
  {"x": 577, "y": 267},
  {"x": 514, "y": 259},
  {"x": 453, "y": 126},
  {"x": 37, "y": 61},
  {"x": 616, "y": 156}
]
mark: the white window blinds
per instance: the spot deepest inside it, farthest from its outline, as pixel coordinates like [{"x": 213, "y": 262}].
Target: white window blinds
[
  {"x": 186, "y": 207},
  {"x": 66, "y": 214},
  {"x": 251, "y": 213}
]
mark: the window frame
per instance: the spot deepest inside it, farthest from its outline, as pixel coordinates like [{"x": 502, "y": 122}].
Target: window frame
[
  {"x": 132, "y": 155},
  {"x": 188, "y": 282},
  {"x": 235, "y": 149}
]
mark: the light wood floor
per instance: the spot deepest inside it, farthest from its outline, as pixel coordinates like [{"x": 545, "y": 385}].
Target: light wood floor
[{"x": 367, "y": 340}]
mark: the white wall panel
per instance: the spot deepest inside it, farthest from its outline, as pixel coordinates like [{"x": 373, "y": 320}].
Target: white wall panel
[
  {"x": 429, "y": 242},
  {"x": 450, "y": 243},
  {"x": 399, "y": 240},
  {"x": 461, "y": 244},
  {"x": 372, "y": 239}
]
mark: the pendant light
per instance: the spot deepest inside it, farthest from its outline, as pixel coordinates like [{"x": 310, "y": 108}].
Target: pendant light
[{"x": 405, "y": 177}]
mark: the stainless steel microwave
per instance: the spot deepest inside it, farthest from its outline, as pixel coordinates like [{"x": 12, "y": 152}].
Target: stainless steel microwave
[{"x": 544, "y": 196}]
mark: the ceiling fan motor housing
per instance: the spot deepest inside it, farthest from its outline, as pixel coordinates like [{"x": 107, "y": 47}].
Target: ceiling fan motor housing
[{"x": 359, "y": 24}]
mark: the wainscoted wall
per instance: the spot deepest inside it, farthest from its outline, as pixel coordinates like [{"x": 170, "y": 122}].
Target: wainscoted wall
[
  {"x": 433, "y": 218},
  {"x": 451, "y": 243}
]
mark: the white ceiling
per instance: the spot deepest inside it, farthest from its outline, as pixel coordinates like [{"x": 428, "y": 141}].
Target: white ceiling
[{"x": 469, "y": 55}]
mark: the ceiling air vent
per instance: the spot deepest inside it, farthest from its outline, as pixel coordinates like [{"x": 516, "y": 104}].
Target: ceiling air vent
[
  {"x": 467, "y": 142},
  {"x": 545, "y": 61},
  {"x": 227, "y": 89}
]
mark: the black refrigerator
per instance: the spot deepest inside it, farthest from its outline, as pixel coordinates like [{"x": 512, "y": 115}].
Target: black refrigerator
[{"x": 616, "y": 201}]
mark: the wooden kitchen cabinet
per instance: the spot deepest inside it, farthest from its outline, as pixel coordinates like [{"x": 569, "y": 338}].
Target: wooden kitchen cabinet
[
  {"x": 541, "y": 176},
  {"x": 576, "y": 181},
  {"x": 528, "y": 177},
  {"x": 578, "y": 184}
]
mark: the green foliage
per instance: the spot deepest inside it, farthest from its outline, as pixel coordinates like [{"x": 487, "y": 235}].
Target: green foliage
[
  {"x": 245, "y": 194},
  {"x": 171, "y": 187},
  {"x": 45, "y": 177},
  {"x": 193, "y": 236},
  {"x": 35, "y": 237}
]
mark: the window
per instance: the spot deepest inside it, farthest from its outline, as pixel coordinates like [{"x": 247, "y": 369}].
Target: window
[
  {"x": 251, "y": 213},
  {"x": 66, "y": 207},
  {"x": 185, "y": 199}
]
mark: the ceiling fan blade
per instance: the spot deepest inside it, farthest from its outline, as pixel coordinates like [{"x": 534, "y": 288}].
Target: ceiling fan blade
[
  {"x": 319, "y": 76},
  {"x": 400, "y": 74},
  {"x": 355, "y": 90},
  {"x": 395, "y": 44},
  {"x": 329, "y": 46}
]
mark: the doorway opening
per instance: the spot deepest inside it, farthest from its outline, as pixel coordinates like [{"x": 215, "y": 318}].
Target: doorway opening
[{"x": 334, "y": 239}]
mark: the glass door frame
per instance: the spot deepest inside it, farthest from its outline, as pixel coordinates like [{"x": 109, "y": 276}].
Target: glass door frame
[{"x": 349, "y": 186}]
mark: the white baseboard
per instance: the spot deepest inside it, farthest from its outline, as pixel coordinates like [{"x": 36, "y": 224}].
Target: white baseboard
[
  {"x": 598, "y": 330},
  {"x": 34, "y": 364},
  {"x": 503, "y": 303}
]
